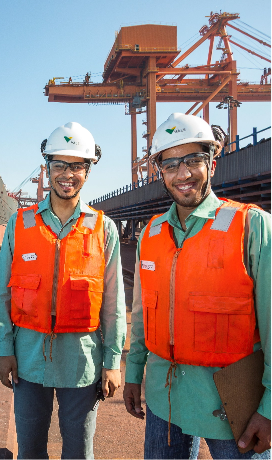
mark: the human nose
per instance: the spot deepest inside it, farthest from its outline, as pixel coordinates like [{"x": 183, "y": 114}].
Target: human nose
[
  {"x": 183, "y": 171},
  {"x": 67, "y": 171}
]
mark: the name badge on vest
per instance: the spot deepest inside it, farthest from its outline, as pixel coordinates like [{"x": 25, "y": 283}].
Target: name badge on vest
[
  {"x": 29, "y": 256},
  {"x": 147, "y": 265}
]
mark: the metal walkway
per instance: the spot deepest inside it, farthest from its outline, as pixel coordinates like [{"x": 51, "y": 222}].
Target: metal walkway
[{"x": 244, "y": 176}]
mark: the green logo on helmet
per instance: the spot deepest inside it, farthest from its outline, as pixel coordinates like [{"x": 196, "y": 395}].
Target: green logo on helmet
[
  {"x": 170, "y": 130},
  {"x": 67, "y": 138}
]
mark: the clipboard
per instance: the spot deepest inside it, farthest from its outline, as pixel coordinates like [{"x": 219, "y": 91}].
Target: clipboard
[{"x": 240, "y": 388}]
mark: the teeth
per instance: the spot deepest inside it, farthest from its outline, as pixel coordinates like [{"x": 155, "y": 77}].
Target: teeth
[
  {"x": 66, "y": 184},
  {"x": 184, "y": 187}
]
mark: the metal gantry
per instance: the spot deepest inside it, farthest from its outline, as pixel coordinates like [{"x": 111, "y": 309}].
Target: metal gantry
[
  {"x": 144, "y": 66},
  {"x": 24, "y": 201}
]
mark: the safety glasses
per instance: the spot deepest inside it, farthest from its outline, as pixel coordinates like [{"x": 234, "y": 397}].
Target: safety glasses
[
  {"x": 191, "y": 161},
  {"x": 75, "y": 167}
]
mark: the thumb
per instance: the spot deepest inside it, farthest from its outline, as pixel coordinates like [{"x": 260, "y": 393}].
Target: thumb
[
  {"x": 246, "y": 436},
  {"x": 14, "y": 372},
  {"x": 105, "y": 387}
]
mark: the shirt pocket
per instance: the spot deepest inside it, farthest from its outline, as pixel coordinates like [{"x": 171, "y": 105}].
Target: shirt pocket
[
  {"x": 24, "y": 292},
  {"x": 150, "y": 302},
  {"x": 86, "y": 297},
  {"x": 221, "y": 324}
]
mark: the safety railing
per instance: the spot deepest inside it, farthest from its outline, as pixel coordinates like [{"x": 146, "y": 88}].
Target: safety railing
[
  {"x": 238, "y": 140},
  {"x": 146, "y": 49},
  {"x": 156, "y": 176},
  {"x": 127, "y": 188}
]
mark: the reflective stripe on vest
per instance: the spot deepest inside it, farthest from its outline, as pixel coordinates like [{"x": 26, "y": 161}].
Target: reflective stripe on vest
[
  {"x": 52, "y": 276},
  {"x": 198, "y": 300},
  {"x": 29, "y": 218}
]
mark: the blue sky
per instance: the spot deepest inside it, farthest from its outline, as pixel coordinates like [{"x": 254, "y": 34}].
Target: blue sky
[{"x": 61, "y": 38}]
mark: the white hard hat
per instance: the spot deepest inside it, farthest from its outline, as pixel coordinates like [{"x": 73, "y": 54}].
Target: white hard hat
[
  {"x": 181, "y": 129},
  {"x": 71, "y": 140}
]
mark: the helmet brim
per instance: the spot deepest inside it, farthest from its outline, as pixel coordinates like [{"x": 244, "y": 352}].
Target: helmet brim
[
  {"x": 70, "y": 153},
  {"x": 189, "y": 140}
]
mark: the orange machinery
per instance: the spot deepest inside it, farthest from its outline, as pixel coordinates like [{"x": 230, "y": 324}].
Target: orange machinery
[
  {"x": 27, "y": 201},
  {"x": 142, "y": 69}
]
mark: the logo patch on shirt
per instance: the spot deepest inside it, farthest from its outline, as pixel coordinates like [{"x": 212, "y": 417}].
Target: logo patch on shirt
[
  {"x": 29, "y": 256},
  {"x": 148, "y": 265}
]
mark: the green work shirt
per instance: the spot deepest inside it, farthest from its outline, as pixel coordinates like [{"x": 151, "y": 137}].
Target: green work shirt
[
  {"x": 194, "y": 396},
  {"x": 77, "y": 358}
]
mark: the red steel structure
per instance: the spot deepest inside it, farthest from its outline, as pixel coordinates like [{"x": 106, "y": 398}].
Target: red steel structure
[
  {"x": 23, "y": 202},
  {"x": 142, "y": 69}
]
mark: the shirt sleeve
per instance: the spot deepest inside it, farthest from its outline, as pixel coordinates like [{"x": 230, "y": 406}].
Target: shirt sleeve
[
  {"x": 259, "y": 267},
  {"x": 137, "y": 356},
  {"x": 113, "y": 310},
  {"x": 6, "y": 256}
]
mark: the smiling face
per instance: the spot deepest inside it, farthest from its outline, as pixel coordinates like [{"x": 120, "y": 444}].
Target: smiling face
[
  {"x": 185, "y": 186},
  {"x": 67, "y": 184}
]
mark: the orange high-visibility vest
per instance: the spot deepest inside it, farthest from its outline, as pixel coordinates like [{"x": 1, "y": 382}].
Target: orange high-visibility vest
[
  {"x": 198, "y": 305},
  {"x": 63, "y": 277}
]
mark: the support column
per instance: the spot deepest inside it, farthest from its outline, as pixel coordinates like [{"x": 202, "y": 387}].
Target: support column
[
  {"x": 133, "y": 146},
  {"x": 151, "y": 103},
  {"x": 233, "y": 111},
  {"x": 119, "y": 228},
  {"x": 133, "y": 237},
  {"x": 206, "y": 113},
  {"x": 127, "y": 229},
  {"x": 209, "y": 61},
  {"x": 206, "y": 108}
]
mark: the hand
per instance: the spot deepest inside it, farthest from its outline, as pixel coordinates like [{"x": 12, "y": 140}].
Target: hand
[
  {"x": 111, "y": 381},
  {"x": 132, "y": 398},
  {"x": 261, "y": 427},
  {"x": 8, "y": 364}
]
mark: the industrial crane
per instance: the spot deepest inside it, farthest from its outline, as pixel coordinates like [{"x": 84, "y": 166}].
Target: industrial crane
[{"x": 145, "y": 66}]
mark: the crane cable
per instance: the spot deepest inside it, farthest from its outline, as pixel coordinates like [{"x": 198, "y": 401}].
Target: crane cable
[
  {"x": 246, "y": 56},
  {"x": 250, "y": 27},
  {"x": 26, "y": 180},
  {"x": 189, "y": 40},
  {"x": 252, "y": 47}
]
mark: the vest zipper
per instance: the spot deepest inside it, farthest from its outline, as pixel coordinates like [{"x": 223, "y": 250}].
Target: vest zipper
[
  {"x": 55, "y": 277},
  {"x": 172, "y": 302}
]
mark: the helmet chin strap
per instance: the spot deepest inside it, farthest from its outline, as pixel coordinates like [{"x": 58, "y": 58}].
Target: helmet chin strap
[{"x": 211, "y": 155}]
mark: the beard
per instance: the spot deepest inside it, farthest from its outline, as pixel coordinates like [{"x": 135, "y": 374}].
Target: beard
[
  {"x": 191, "y": 203},
  {"x": 66, "y": 197}
]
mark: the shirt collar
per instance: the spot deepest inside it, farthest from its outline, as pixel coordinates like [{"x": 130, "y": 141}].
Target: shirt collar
[
  {"x": 206, "y": 210},
  {"x": 45, "y": 205}
]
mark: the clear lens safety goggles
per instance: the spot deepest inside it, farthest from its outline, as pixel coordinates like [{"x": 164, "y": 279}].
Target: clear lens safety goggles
[
  {"x": 191, "y": 161},
  {"x": 61, "y": 166}
]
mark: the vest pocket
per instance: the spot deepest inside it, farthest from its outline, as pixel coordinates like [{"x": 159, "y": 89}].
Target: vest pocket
[
  {"x": 149, "y": 300},
  {"x": 24, "y": 290},
  {"x": 221, "y": 324},
  {"x": 86, "y": 298}
]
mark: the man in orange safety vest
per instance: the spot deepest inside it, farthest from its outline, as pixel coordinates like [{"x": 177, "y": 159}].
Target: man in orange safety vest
[
  {"x": 201, "y": 301},
  {"x": 62, "y": 305}
]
